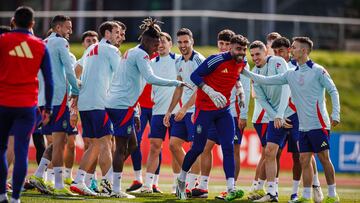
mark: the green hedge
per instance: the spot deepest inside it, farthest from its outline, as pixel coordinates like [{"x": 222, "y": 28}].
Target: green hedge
[{"x": 342, "y": 66}]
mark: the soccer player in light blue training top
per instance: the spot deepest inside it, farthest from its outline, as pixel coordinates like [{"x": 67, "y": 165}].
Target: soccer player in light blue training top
[
  {"x": 124, "y": 92},
  {"x": 308, "y": 83}
]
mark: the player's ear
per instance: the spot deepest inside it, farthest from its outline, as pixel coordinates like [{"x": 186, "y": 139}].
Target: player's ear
[{"x": 32, "y": 24}]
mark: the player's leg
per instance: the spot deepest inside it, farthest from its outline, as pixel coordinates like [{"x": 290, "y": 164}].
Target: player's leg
[
  {"x": 278, "y": 155},
  {"x": 237, "y": 143},
  {"x": 317, "y": 191},
  {"x": 39, "y": 143},
  {"x": 6, "y": 122},
  {"x": 23, "y": 127},
  {"x": 69, "y": 157},
  {"x": 155, "y": 186}
]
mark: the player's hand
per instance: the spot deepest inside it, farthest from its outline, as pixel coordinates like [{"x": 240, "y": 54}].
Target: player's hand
[
  {"x": 216, "y": 97},
  {"x": 166, "y": 120},
  {"x": 287, "y": 124},
  {"x": 184, "y": 84},
  {"x": 46, "y": 116},
  {"x": 79, "y": 83},
  {"x": 180, "y": 114},
  {"x": 240, "y": 94},
  {"x": 278, "y": 123},
  {"x": 334, "y": 122},
  {"x": 73, "y": 101},
  {"x": 242, "y": 124},
  {"x": 74, "y": 118},
  {"x": 137, "y": 123},
  {"x": 242, "y": 100}
]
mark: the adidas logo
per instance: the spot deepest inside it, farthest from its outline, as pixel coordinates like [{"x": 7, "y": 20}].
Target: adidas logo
[
  {"x": 323, "y": 144},
  {"x": 225, "y": 70},
  {"x": 22, "y": 50}
]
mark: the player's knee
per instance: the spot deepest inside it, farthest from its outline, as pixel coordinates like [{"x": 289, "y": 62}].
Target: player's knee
[
  {"x": 174, "y": 147},
  {"x": 323, "y": 157},
  {"x": 304, "y": 161},
  {"x": 71, "y": 146}
]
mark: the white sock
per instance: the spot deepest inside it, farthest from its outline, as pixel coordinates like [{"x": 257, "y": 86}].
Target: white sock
[
  {"x": 295, "y": 186},
  {"x": 42, "y": 167},
  {"x": 88, "y": 178},
  {"x": 204, "y": 182},
  {"x": 3, "y": 197},
  {"x": 44, "y": 176},
  {"x": 80, "y": 176},
  {"x": 156, "y": 180},
  {"x": 149, "y": 179},
  {"x": 14, "y": 200},
  {"x": 117, "y": 182},
  {"x": 191, "y": 181},
  {"x": 260, "y": 185},
  {"x": 176, "y": 175},
  {"x": 277, "y": 185},
  {"x": 271, "y": 188},
  {"x": 306, "y": 193},
  {"x": 254, "y": 185},
  {"x": 59, "y": 184},
  {"x": 182, "y": 175},
  {"x": 138, "y": 176},
  {"x": 109, "y": 175},
  {"x": 50, "y": 175},
  {"x": 230, "y": 182},
  {"x": 332, "y": 190},
  {"x": 316, "y": 181},
  {"x": 68, "y": 173}
]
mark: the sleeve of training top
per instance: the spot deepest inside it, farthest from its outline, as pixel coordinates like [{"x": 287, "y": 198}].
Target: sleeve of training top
[
  {"x": 67, "y": 62},
  {"x": 282, "y": 67},
  {"x": 114, "y": 58},
  {"x": 143, "y": 63},
  {"x": 263, "y": 101},
  {"x": 280, "y": 79},
  {"x": 330, "y": 87},
  {"x": 47, "y": 74},
  {"x": 205, "y": 68},
  {"x": 245, "y": 81}
]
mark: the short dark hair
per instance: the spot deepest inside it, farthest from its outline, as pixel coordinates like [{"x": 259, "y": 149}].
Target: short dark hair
[
  {"x": 272, "y": 36},
  {"x": 89, "y": 33},
  {"x": 225, "y": 35},
  {"x": 4, "y": 29},
  {"x": 305, "y": 40},
  {"x": 281, "y": 42},
  {"x": 59, "y": 19},
  {"x": 257, "y": 44},
  {"x": 121, "y": 24},
  {"x": 23, "y": 16},
  {"x": 107, "y": 25},
  {"x": 48, "y": 33},
  {"x": 150, "y": 28},
  {"x": 239, "y": 39},
  {"x": 184, "y": 31},
  {"x": 166, "y": 35}
]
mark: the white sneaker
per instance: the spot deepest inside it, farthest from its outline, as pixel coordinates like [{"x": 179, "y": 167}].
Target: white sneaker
[
  {"x": 81, "y": 189},
  {"x": 146, "y": 190},
  {"x": 318, "y": 194},
  {"x": 268, "y": 198},
  {"x": 180, "y": 189},
  {"x": 122, "y": 194},
  {"x": 173, "y": 189}
]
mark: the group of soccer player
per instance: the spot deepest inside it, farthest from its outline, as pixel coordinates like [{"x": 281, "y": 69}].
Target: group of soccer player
[{"x": 194, "y": 99}]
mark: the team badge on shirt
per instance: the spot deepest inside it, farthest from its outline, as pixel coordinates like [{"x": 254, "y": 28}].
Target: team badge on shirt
[
  {"x": 198, "y": 129},
  {"x": 64, "y": 124},
  {"x": 129, "y": 129}
]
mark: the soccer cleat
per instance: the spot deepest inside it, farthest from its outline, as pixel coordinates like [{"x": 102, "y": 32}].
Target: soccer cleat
[
  {"x": 257, "y": 194},
  {"x": 180, "y": 189},
  {"x": 81, "y": 189},
  {"x": 235, "y": 194},
  {"x": 268, "y": 198},
  {"x": 293, "y": 198},
  {"x": 199, "y": 193},
  {"x": 335, "y": 199},
  {"x": 106, "y": 186},
  {"x": 301, "y": 200},
  {"x": 39, "y": 184},
  {"x": 317, "y": 194},
  {"x": 156, "y": 189},
  {"x": 122, "y": 194},
  {"x": 134, "y": 186},
  {"x": 94, "y": 187},
  {"x": 68, "y": 181},
  {"x": 173, "y": 189},
  {"x": 146, "y": 190},
  {"x": 50, "y": 186},
  {"x": 63, "y": 192}
]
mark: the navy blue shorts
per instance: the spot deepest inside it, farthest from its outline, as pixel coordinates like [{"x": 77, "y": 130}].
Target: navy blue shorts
[
  {"x": 59, "y": 122},
  {"x": 314, "y": 141},
  {"x": 122, "y": 120},
  {"x": 95, "y": 123},
  {"x": 183, "y": 129},
  {"x": 292, "y": 136},
  {"x": 213, "y": 135},
  {"x": 158, "y": 130},
  {"x": 261, "y": 129},
  {"x": 276, "y": 136}
]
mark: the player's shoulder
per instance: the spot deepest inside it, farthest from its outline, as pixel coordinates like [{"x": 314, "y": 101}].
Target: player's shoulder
[
  {"x": 197, "y": 57},
  {"x": 319, "y": 69}
]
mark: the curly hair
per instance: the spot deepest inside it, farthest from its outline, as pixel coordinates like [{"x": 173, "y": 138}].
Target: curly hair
[{"x": 150, "y": 27}]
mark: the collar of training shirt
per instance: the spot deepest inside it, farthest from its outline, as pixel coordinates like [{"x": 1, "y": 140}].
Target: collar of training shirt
[{"x": 22, "y": 30}]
